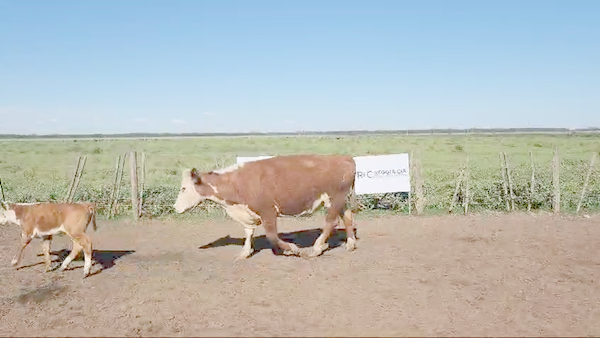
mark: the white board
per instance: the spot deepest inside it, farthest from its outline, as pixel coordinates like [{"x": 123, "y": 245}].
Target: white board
[
  {"x": 378, "y": 174},
  {"x": 375, "y": 174}
]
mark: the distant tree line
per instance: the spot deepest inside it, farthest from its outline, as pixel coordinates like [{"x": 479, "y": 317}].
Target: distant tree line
[{"x": 316, "y": 133}]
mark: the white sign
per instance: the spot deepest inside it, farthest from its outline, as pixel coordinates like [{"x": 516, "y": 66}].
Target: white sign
[
  {"x": 378, "y": 174},
  {"x": 375, "y": 174}
]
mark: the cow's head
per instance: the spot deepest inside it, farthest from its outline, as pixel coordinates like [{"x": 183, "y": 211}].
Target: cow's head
[{"x": 189, "y": 196}]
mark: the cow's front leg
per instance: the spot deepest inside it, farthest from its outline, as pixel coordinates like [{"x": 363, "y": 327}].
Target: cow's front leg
[
  {"x": 270, "y": 224},
  {"x": 247, "y": 250}
]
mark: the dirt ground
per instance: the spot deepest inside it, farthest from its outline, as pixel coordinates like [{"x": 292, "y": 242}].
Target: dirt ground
[{"x": 516, "y": 275}]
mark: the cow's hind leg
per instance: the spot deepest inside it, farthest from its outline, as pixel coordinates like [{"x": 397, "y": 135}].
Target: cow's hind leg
[
  {"x": 25, "y": 239},
  {"x": 331, "y": 221},
  {"x": 350, "y": 233},
  {"x": 334, "y": 213},
  {"x": 270, "y": 224}
]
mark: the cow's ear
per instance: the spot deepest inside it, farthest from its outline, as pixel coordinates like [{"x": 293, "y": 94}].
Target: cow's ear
[{"x": 195, "y": 175}]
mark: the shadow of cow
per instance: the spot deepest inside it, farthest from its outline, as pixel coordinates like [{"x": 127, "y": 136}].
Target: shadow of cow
[{"x": 303, "y": 239}]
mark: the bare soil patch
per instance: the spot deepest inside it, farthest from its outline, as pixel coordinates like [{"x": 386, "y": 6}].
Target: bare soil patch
[{"x": 508, "y": 275}]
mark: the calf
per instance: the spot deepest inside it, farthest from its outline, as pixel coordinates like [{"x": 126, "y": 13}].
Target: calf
[
  {"x": 42, "y": 220},
  {"x": 258, "y": 192}
]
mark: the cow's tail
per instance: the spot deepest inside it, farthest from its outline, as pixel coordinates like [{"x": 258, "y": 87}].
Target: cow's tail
[
  {"x": 352, "y": 200},
  {"x": 351, "y": 208}
]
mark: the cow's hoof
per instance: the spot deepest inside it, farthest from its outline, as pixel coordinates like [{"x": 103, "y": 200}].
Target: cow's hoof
[
  {"x": 243, "y": 255},
  {"x": 317, "y": 251},
  {"x": 292, "y": 251},
  {"x": 350, "y": 244}
]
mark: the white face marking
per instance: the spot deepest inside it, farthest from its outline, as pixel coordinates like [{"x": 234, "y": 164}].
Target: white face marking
[
  {"x": 188, "y": 196},
  {"x": 229, "y": 169},
  {"x": 324, "y": 198},
  {"x": 213, "y": 188},
  {"x": 8, "y": 216},
  {"x": 38, "y": 233}
]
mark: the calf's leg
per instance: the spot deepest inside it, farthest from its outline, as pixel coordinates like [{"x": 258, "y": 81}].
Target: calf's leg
[
  {"x": 74, "y": 252},
  {"x": 25, "y": 239},
  {"x": 86, "y": 243},
  {"x": 46, "y": 249}
]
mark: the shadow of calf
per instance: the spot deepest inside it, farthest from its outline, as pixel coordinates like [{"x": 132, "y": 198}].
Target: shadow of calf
[
  {"x": 303, "y": 239},
  {"x": 106, "y": 258}
]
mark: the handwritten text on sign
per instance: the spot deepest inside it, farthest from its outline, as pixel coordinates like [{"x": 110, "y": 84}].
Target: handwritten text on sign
[{"x": 375, "y": 174}]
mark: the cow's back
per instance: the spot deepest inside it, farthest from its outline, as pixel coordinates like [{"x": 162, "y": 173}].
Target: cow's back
[{"x": 295, "y": 182}]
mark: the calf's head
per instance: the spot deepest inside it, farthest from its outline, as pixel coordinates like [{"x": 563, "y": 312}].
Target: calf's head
[
  {"x": 192, "y": 192},
  {"x": 6, "y": 214}
]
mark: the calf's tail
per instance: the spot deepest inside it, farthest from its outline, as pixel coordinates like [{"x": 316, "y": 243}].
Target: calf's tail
[{"x": 92, "y": 212}]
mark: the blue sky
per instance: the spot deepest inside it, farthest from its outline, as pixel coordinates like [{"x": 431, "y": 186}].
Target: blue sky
[{"x": 234, "y": 66}]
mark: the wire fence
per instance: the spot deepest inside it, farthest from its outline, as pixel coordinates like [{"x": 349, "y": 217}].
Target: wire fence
[{"x": 506, "y": 182}]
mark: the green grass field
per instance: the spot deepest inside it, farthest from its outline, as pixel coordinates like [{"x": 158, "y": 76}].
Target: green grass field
[{"x": 40, "y": 170}]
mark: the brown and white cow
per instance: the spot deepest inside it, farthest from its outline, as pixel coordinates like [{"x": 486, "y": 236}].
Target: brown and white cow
[
  {"x": 42, "y": 220},
  {"x": 258, "y": 192}
]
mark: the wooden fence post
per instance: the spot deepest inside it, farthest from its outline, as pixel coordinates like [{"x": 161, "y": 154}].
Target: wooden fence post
[
  {"x": 2, "y": 189},
  {"x": 134, "y": 183},
  {"x": 410, "y": 174},
  {"x": 420, "y": 200},
  {"x": 504, "y": 181},
  {"x": 556, "y": 181},
  {"x": 532, "y": 187},
  {"x": 466, "y": 178},
  {"x": 76, "y": 178},
  {"x": 142, "y": 183},
  {"x": 120, "y": 166},
  {"x": 510, "y": 183},
  {"x": 587, "y": 179},
  {"x": 456, "y": 190},
  {"x": 72, "y": 184},
  {"x": 79, "y": 177}
]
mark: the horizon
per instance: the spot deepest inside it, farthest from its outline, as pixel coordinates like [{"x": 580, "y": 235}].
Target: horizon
[
  {"x": 407, "y": 132},
  {"x": 237, "y": 67}
]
